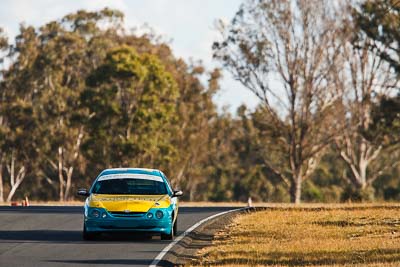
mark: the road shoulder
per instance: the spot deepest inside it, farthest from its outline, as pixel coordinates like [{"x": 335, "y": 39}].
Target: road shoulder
[{"x": 186, "y": 249}]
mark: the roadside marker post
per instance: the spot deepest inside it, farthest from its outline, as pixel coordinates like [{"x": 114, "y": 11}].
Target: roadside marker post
[{"x": 249, "y": 202}]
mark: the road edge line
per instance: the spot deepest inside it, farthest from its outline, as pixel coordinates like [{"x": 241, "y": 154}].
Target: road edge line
[{"x": 166, "y": 249}]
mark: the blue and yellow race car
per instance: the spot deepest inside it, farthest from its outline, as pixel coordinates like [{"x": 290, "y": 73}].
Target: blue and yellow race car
[{"x": 132, "y": 199}]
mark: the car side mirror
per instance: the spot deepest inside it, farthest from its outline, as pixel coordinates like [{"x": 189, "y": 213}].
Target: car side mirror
[
  {"x": 83, "y": 192},
  {"x": 178, "y": 193}
]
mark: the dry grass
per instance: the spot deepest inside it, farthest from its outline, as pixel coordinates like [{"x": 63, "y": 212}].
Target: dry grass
[
  {"x": 211, "y": 204},
  {"x": 340, "y": 235}
]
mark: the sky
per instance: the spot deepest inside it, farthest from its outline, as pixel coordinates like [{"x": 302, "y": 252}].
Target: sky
[{"x": 188, "y": 25}]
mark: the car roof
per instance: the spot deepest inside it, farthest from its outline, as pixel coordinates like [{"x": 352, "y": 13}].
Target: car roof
[{"x": 154, "y": 172}]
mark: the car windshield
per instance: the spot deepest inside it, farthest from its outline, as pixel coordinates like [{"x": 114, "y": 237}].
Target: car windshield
[{"x": 126, "y": 186}]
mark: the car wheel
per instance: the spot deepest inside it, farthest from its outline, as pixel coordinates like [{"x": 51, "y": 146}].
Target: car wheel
[
  {"x": 171, "y": 235},
  {"x": 88, "y": 235},
  {"x": 176, "y": 226}
]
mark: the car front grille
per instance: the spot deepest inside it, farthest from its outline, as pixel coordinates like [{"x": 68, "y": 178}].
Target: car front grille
[{"x": 127, "y": 214}]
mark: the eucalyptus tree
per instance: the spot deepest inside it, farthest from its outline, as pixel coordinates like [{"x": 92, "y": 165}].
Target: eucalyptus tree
[
  {"x": 193, "y": 135},
  {"x": 131, "y": 102},
  {"x": 64, "y": 62},
  {"x": 196, "y": 111},
  {"x": 364, "y": 78},
  {"x": 283, "y": 52},
  {"x": 18, "y": 142},
  {"x": 50, "y": 66},
  {"x": 3, "y": 49},
  {"x": 386, "y": 121},
  {"x": 379, "y": 20},
  {"x": 49, "y": 69}
]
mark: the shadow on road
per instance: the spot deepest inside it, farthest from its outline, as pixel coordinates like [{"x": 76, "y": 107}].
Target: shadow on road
[
  {"x": 63, "y": 236},
  {"x": 107, "y": 261},
  {"x": 44, "y": 209},
  {"x": 189, "y": 210}
]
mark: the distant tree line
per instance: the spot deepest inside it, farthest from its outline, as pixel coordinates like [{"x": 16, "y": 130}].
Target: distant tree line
[{"x": 82, "y": 93}]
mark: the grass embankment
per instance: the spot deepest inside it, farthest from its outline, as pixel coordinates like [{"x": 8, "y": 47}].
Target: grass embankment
[{"x": 335, "y": 236}]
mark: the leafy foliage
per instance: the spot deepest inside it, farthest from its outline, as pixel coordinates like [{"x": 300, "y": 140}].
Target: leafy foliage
[
  {"x": 81, "y": 94},
  {"x": 131, "y": 103},
  {"x": 380, "y": 21}
]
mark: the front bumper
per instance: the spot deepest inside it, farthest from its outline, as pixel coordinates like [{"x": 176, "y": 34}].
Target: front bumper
[{"x": 140, "y": 223}]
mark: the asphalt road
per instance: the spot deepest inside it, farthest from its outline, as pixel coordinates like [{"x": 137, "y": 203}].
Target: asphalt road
[{"x": 51, "y": 236}]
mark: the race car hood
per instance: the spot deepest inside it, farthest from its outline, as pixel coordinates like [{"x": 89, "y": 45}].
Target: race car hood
[{"x": 133, "y": 203}]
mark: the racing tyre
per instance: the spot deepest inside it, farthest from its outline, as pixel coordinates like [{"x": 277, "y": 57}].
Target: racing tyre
[
  {"x": 88, "y": 235},
  {"x": 172, "y": 234},
  {"x": 176, "y": 226}
]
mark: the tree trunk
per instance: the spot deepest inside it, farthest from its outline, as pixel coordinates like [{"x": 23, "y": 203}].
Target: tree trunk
[
  {"x": 295, "y": 190},
  {"x": 72, "y": 164},
  {"x": 192, "y": 193},
  {"x": 1, "y": 180},
  {"x": 17, "y": 182},
  {"x": 358, "y": 171},
  {"x": 60, "y": 173},
  {"x": 364, "y": 194},
  {"x": 69, "y": 182},
  {"x": 363, "y": 173}
]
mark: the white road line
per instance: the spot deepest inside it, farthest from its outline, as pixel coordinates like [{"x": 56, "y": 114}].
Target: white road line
[{"x": 161, "y": 255}]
